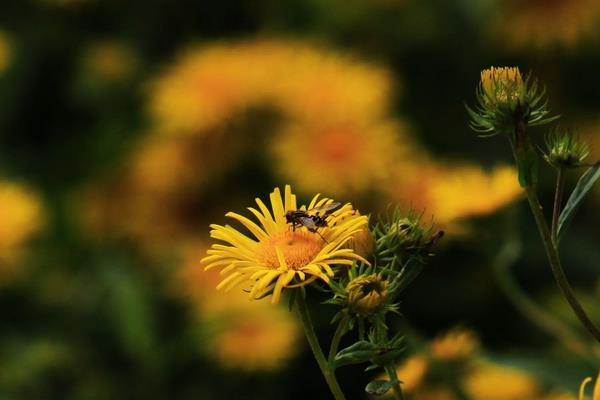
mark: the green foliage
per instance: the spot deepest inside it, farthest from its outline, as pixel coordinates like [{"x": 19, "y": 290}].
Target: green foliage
[
  {"x": 379, "y": 354},
  {"x": 584, "y": 185},
  {"x": 565, "y": 150},
  {"x": 379, "y": 387}
]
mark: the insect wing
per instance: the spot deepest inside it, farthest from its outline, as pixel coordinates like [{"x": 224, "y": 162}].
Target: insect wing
[
  {"x": 308, "y": 222},
  {"x": 325, "y": 208}
]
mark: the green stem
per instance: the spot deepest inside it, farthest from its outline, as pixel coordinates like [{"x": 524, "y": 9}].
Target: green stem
[
  {"x": 311, "y": 336},
  {"x": 339, "y": 333},
  {"x": 555, "y": 265},
  {"x": 558, "y": 195},
  {"x": 398, "y": 395},
  {"x": 528, "y": 308}
]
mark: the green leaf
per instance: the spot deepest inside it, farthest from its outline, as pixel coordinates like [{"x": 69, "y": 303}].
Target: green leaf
[
  {"x": 584, "y": 185},
  {"x": 364, "y": 351},
  {"x": 379, "y": 387},
  {"x": 358, "y": 353}
]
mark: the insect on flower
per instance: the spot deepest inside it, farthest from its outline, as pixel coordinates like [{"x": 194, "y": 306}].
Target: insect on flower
[{"x": 312, "y": 219}]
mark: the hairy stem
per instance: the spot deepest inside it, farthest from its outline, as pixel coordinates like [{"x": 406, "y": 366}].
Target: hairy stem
[
  {"x": 555, "y": 265},
  {"x": 311, "y": 336}
]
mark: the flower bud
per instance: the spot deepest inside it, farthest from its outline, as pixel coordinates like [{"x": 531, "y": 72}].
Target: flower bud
[
  {"x": 366, "y": 294},
  {"x": 407, "y": 233},
  {"x": 565, "y": 150},
  {"x": 503, "y": 85},
  {"x": 363, "y": 242}
]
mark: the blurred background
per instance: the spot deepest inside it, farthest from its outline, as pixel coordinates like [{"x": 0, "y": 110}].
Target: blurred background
[{"x": 126, "y": 128}]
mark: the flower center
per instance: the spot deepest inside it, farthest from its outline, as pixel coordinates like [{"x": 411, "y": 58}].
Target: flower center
[{"x": 297, "y": 247}]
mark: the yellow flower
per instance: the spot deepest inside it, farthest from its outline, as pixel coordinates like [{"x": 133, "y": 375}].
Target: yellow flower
[
  {"x": 260, "y": 338},
  {"x": 560, "y": 396},
  {"x": 237, "y": 333},
  {"x": 207, "y": 86},
  {"x": 280, "y": 257},
  {"x": 164, "y": 176},
  {"x": 489, "y": 381},
  {"x": 20, "y": 216},
  {"x": 502, "y": 85},
  {"x": 203, "y": 88},
  {"x": 347, "y": 156},
  {"x": 322, "y": 82},
  {"x": 450, "y": 193},
  {"x": 595, "y": 393},
  {"x": 456, "y": 344},
  {"x": 412, "y": 372},
  {"x": 5, "y": 52},
  {"x": 533, "y": 22},
  {"x": 469, "y": 191},
  {"x": 366, "y": 294}
]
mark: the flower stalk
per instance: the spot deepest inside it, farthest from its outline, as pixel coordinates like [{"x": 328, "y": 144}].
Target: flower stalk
[
  {"x": 555, "y": 264},
  {"x": 311, "y": 336},
  {"x": 397, "y": 389}
]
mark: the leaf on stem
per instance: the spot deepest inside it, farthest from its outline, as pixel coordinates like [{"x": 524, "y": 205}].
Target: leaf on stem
[
  {"x": 586, "y": 182},
  {"x": 379, "y": 387}
]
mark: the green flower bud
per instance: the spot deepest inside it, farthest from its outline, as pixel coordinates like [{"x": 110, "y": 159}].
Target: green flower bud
[
  {"x": 504, "y": 100},
  {"x": 366, "y": 294},
  {"x": 565, "y": 150}
]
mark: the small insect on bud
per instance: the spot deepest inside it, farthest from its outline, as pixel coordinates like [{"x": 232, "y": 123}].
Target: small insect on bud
[
  {"x": 366, "y": 294},
  {"x": 565, "y": 150},
  {"x": 503, "y": 85}
]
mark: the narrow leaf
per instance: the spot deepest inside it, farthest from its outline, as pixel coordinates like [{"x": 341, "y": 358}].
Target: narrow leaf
[
  {"x": 379, "y": 387},
  {"x": 358, "y": 353},
  {"x": 584, "y": 185}
]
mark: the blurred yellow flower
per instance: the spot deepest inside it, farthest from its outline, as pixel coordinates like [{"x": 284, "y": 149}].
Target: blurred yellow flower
[
  {"x": 596, "y": 390},
  {"x": 325, "y": 84},
  {"x": 456, "y": 344},
  {"x": 560, "y": 396},
  {"x": 158, "y": 189},
  {"x": 202, "y": 88},
  {"x": 262, "y": 338},
  {"x": 450, "y": 193},
  {"x": 240, "y": 334},
  {"x": 207, "y": 86},
  {"x": 488, "y": 381},
  {"x": 280, "y": 257},
  {"x": 412, "y": 372},
  {"x": 469, "y": 191},
  {"x": 20, "y": 216},
  {"x": 109, "y": 60},
  {"x": 345, "y": 157},
  {"x": 5, "y": 52},
  {"x": 534, "y": 22}
]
